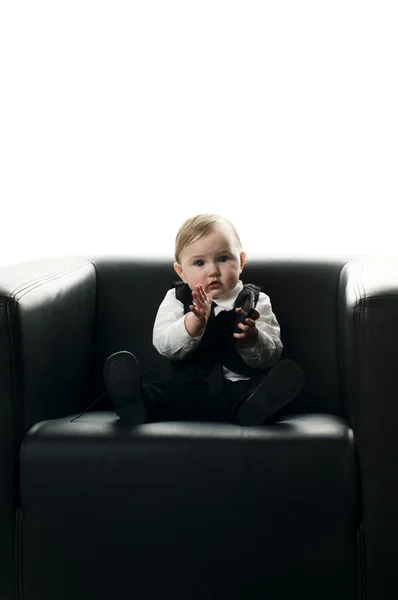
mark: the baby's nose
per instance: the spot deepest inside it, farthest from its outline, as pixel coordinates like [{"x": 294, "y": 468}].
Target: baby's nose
[{"x": 214, "y": 267}]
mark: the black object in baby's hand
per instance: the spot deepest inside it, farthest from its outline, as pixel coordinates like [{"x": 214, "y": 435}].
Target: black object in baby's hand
[{"x": 247, "y": 306}]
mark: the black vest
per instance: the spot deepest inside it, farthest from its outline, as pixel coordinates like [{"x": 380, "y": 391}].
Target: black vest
[{"x": 217, "y": 347}]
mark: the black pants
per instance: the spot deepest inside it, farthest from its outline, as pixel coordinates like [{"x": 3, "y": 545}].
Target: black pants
[{"x": 194, "y": 401}]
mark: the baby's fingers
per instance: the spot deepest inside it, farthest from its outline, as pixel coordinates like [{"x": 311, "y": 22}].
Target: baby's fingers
[
  {"x": 239, "y": 336},
  {"x": 197, "y": 298},
  {"x": 250, "y": 323}
]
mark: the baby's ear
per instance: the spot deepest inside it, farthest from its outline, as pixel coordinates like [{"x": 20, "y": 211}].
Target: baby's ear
[
  {"x": 242, "y": 260},
  {"x": 178, "y": 270}
]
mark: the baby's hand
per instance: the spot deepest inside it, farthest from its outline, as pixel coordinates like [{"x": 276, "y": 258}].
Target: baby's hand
[
  {"x": 249, "y": 336},
  {"x": 195, "y": 321},
  {"x": 201, "y": 306}
]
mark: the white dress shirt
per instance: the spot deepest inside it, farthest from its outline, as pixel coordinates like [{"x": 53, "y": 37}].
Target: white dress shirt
[{"x": 172, "y": 340}]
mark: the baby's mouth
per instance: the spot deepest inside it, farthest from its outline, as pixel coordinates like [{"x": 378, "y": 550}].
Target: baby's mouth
[{"x": 214, "y": 285}]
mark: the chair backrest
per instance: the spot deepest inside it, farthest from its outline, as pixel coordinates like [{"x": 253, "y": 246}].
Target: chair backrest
[{"x": 304, "y": 297}]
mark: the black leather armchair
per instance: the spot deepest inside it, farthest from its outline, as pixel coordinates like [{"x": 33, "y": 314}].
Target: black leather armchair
[{"x": 306, "y": 507}]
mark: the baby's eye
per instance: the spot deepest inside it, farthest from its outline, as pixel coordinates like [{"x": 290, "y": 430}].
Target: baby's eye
[
  {"x": 223, "y": 258},
  {"x": 199, "y": 263}
]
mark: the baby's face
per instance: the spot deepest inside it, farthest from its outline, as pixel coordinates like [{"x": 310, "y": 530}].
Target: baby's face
[{"x": 213, "y": 261}]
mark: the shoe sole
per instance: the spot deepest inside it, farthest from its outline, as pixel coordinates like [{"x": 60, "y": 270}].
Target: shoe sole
[
  {"x": 122, "y": 380},
  {"x": 284, "y": 381}
]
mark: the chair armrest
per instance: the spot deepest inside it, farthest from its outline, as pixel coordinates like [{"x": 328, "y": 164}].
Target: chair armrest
[
  {"x": 369, "y": 366},
  {"x": 46, "y": 321}
]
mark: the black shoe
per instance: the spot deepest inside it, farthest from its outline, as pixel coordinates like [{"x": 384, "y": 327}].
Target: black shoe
[
  {"x": 279, "y": 387},
  {"x": 123, "y": 383}
]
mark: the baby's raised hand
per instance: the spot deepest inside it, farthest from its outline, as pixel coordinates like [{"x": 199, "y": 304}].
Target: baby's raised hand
[
  {"x": 249, "y": 335},
  {"x": 201, "y": 306}
]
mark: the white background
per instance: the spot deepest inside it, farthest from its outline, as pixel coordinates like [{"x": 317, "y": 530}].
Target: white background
[{"x": 120, "y": 119}]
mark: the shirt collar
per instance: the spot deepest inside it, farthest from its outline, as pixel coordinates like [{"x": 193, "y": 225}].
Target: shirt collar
[{"x": 227, "y": 300}]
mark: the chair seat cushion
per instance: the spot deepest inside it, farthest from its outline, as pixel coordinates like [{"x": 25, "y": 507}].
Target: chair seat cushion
[{"x": 188, "y": 510}]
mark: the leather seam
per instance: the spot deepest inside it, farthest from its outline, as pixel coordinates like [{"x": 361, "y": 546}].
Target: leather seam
[
  {"x": 372, "y": 300},
  {"x": 361, "y": 581},
  {"x": 359, "y": 408},
  {"x": 18, "y": 553},
  {"x": 344, "y": 408},
  {"x": 18, "y": 408},
  {"x": 25, "y": 288}
]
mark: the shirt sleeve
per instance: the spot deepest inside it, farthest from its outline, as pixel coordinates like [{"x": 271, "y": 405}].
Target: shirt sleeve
[
  {"x": 266, "y": 352},
  {"x": 170, "y": 337}
]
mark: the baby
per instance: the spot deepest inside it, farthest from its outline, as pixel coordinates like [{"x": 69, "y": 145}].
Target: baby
[{"x": 221, "y": 336}]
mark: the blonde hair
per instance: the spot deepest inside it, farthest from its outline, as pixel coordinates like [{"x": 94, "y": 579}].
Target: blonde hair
[{"x": 198, "y": 227}]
